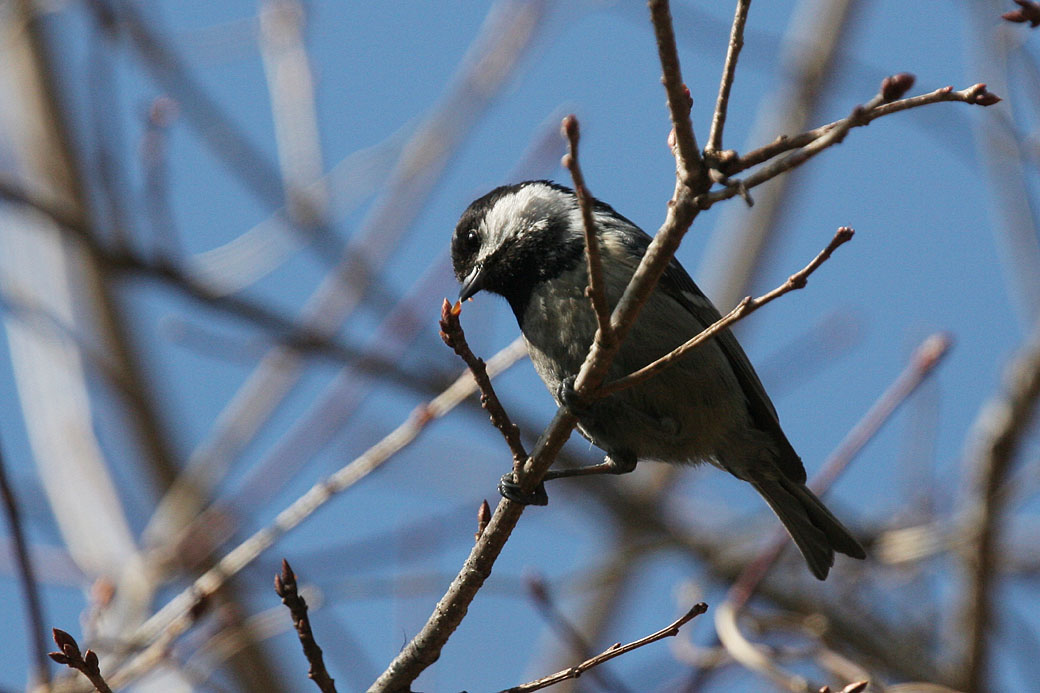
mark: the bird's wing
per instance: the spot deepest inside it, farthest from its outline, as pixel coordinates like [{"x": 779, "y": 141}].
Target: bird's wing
[{"x": 677, "y": 283}]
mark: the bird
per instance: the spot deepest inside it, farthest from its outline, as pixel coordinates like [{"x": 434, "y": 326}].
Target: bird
[{"x": 525, "y": 242}]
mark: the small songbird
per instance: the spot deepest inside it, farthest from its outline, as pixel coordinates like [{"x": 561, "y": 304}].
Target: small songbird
[{"x": 526, "y": 243}]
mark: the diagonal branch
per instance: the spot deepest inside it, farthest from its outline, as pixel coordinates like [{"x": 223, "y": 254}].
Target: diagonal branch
[
  {"x": 612, "y": 652},
  {"x": 835, "y": 132},
  {"x": 455, "y": 338},
  {"x": 743, "y": 309}
]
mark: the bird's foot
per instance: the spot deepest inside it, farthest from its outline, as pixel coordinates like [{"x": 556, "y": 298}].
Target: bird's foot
[
  {"x": 568, "y": 397},
  {"x": 508, "y": 487}
]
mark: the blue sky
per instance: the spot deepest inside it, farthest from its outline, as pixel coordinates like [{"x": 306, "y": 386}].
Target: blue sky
[{"x": 927, "y": 257}]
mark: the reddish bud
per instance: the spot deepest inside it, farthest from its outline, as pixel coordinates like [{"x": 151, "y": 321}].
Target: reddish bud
[
  {"x": 987, "y": 98},
  {"x": 569, "y": 127},
  {"x": 1028, "y": 11},
  {"x": 894, "y": 86}
]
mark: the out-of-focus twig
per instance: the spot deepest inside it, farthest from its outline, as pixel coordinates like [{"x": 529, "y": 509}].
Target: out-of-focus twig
[
  {"x": 922, "y": 363},
  {"x": 178, "y": 613},
  {"x": 994, "y": 442},
  {"x": 568, "y": 632},
  {"x": 285, "y": 587},
  {"x": 615, "y": 651},
  {"x": 27, "y": 576}
]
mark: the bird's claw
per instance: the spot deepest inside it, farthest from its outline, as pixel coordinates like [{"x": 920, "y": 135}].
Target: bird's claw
[
  {"x": 568, "y": 397},
  {"x": 508, "y": 487}
]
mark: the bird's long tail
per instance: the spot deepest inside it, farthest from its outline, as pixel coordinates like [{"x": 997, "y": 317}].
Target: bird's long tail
[{"x": 815, "y": 530}]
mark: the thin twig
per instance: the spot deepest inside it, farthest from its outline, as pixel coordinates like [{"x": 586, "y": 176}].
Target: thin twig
[
  {"x": 455, "y": 338},
  {"x": 863, "y": 115},
  {"x": 615, "y": 651},
  {"x": 996, "y": 437},
  {"x": 596, "y": 291},
  {"x": 729, "y": 70},
  {"x": 27, "y": 576},
  {"x": 86, "y": 663},
  {"x": 743, "y": 309},
  {"x": 285, "y": 587}
]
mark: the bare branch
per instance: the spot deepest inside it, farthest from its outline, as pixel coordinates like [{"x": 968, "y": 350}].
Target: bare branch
[
  {"x": 27, "y": 576},
  {"x": 596, "y": 291},
  {"x": 996, "y": 438},
  {"x": 453, "y": 336},
  {"x": 743, "y": 309},
  {"x": 862, "y": 115},
  {"x": 285, "y": 587},
  {"x": 689, "y": 165},
  {"x": 615, "y": 651},
  {"x": 729, "y": 70},
  {"x": 180, "y": 612},
  {"x": 86, "y": 663}
]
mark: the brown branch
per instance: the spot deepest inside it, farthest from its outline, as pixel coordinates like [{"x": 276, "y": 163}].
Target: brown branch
[
  {"x": 455, "y": 338},
  {"x": 285, "y": 587},
  {"x": 27, "y": 577},
  {"x": 615, "y": 651},
  {"x": 997, "y": 435},
  {"x": 861, "y": 116},
  {"x": 689, "y": 166},
  {"x": 86, "y": 663},
  {"x": 596, "y": 291},
  {"x": 743, "y": 309},
  {"x": 729, "y": 70}
]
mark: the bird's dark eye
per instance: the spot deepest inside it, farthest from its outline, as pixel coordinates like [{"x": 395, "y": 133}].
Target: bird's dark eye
[{"x": 469, "y": 241}]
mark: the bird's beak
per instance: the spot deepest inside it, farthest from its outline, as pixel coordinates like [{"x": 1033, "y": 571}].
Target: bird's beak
[{"x": 473, "y": 283}]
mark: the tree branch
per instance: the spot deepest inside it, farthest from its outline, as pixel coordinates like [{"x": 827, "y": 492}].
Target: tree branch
[
  {"x": 997, "y": 435},
  {"x": 615, "y": 651},
  {"x": 285, "y": 587},
  {"x": 743, "y": 309},
  {"x": 27, "y": 576},
  {"x": 596, "y": 291},
  {"x": 729, "y": 70}
]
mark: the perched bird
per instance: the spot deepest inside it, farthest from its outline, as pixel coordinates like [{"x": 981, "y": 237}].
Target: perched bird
[{"x": 526, "y": 243}]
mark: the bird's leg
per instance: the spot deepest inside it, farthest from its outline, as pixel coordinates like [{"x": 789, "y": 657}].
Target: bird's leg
[{"x": 611, "y": 464}]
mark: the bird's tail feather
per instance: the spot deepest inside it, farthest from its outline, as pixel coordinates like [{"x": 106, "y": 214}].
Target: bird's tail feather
[{"x": 815, "y": 530}]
